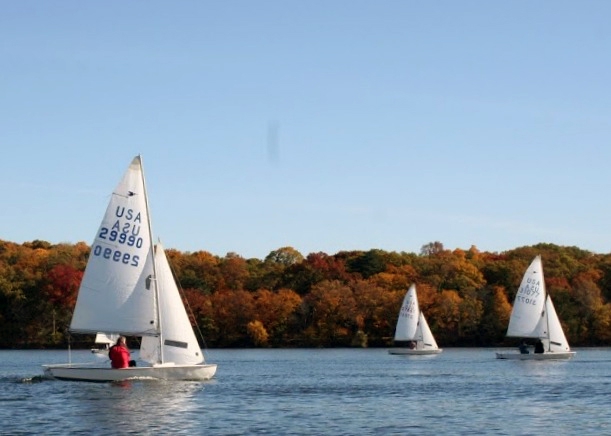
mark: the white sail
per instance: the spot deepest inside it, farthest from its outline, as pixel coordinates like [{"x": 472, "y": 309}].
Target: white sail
[
  {"x": 180, "y": 345},
  {"x": 557, "y": 339},
  {"x": 527, "y": 316},
  {"x": 106, "y": 338},
  {"x": 426, "y": 336},
  {"x": 407, "y": 324},
  {"x": 115, "y": 293}
]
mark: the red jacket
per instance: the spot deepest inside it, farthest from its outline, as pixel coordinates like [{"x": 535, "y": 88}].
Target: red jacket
[{"x": 119, "y": 356}]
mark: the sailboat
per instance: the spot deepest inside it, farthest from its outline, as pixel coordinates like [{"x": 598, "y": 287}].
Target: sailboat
[
  {"x": 128, "y": 289},
  {"x": 534, "y": 317},
  {"x": 102, "y": 343},
  {"x": 412, "y": 327}
]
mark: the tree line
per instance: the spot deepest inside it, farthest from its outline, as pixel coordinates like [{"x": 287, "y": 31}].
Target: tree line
[{"x": 348, "y": 299}]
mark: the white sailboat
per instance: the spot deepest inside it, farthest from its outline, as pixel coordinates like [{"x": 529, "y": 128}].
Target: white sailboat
[
  {"x": 412, "y": 327},
  {"x": 534, "y": 317},
  {"x": 102, "y": 343},
  {"x": 128, "y": 289}
]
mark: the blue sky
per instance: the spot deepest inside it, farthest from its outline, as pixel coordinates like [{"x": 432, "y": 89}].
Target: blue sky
[{"x": 320, "y": 125}]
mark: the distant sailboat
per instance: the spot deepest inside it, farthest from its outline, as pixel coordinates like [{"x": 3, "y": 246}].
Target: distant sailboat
[
  {"x": 534, "y": 317},
  {"x": 102, "y": 343},
  {"x": 412, "y": 327},
  {"x": 128, "y": 289}
]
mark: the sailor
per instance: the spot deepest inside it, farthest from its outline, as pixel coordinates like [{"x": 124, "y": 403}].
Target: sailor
[{"x": 119, "y": 355}]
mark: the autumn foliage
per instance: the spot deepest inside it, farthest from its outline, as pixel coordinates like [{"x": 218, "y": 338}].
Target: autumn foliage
[{"x": 351, "y": 298}]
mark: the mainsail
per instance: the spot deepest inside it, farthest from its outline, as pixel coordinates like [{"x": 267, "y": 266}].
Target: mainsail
[
  {"x": 528, "y": 314},
  {"x": 407, "y": 324},
  {"x": 116, "y": 293}
]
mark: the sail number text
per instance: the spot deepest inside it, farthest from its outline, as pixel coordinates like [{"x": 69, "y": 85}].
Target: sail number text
[
  {"x": 528, "y": 294},
  {"x": 116, "y": 255},
  {"x": 121, "y": 237},
  {"x": 124, "y": 231},
  {"x": 408, "y": 309}
]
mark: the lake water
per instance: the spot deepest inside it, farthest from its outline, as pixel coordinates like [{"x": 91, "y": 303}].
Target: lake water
[{"x": 319, "y": 392}]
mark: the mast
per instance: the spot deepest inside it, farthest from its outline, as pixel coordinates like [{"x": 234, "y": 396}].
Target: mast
[
  {"x": 155, "y": 281},
  {"x": 545, "y": 311}
]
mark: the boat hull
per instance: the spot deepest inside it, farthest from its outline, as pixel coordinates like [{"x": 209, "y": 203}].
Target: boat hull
[
  {"x": 535, "y": 356},
  {"x": 412, "y": 352},
  {"x": 76, "y": 372}
]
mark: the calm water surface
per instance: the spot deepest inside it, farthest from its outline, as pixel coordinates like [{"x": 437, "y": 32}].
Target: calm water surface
[{"x": 318, "y": 392}]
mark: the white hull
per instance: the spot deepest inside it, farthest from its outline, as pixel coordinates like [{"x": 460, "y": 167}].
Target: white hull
[
  {"x": 560, "y": 355},
  {"x": 412, "y": 352},
  {"x": 82, "y": 372}
]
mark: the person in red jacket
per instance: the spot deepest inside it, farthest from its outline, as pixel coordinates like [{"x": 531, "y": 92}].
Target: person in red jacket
[{"x": 119, "y": 354}]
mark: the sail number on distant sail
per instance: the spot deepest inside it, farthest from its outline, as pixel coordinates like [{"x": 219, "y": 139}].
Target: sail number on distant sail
[
  {"x": 408, "y": 310},
  {"x": 125, "y": 233},
  {"x": 529, "y": 293}
]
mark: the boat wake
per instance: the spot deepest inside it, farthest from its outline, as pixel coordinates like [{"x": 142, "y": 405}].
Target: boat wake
[{"x": 23, "y": 380}]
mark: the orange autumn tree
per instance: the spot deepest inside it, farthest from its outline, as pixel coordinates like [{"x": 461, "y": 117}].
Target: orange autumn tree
[
  {"x": 497, "y": 310},
  {"x": 331, "y": 310},
  {"x": 231, "y": 313},
  {"x": 275, "y": 311},
  {"x": 446, "y": 313},
  {"x": 376, "y": 310},
  {"x": 63, "y": 284}
]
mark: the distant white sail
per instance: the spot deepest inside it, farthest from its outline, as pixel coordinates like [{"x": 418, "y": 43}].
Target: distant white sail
[
  {"x": 106, "y": 338},
  {"x": 412, "y": 326},
  {"x": 407, "y": 324},
  {"x": 427, "y": 338},
  {"x": 527, "y": 317},
  {"x": 557, "y": 339}
]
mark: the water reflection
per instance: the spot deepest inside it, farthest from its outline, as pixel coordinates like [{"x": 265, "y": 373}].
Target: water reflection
[{"x": 142, "y": 406}]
